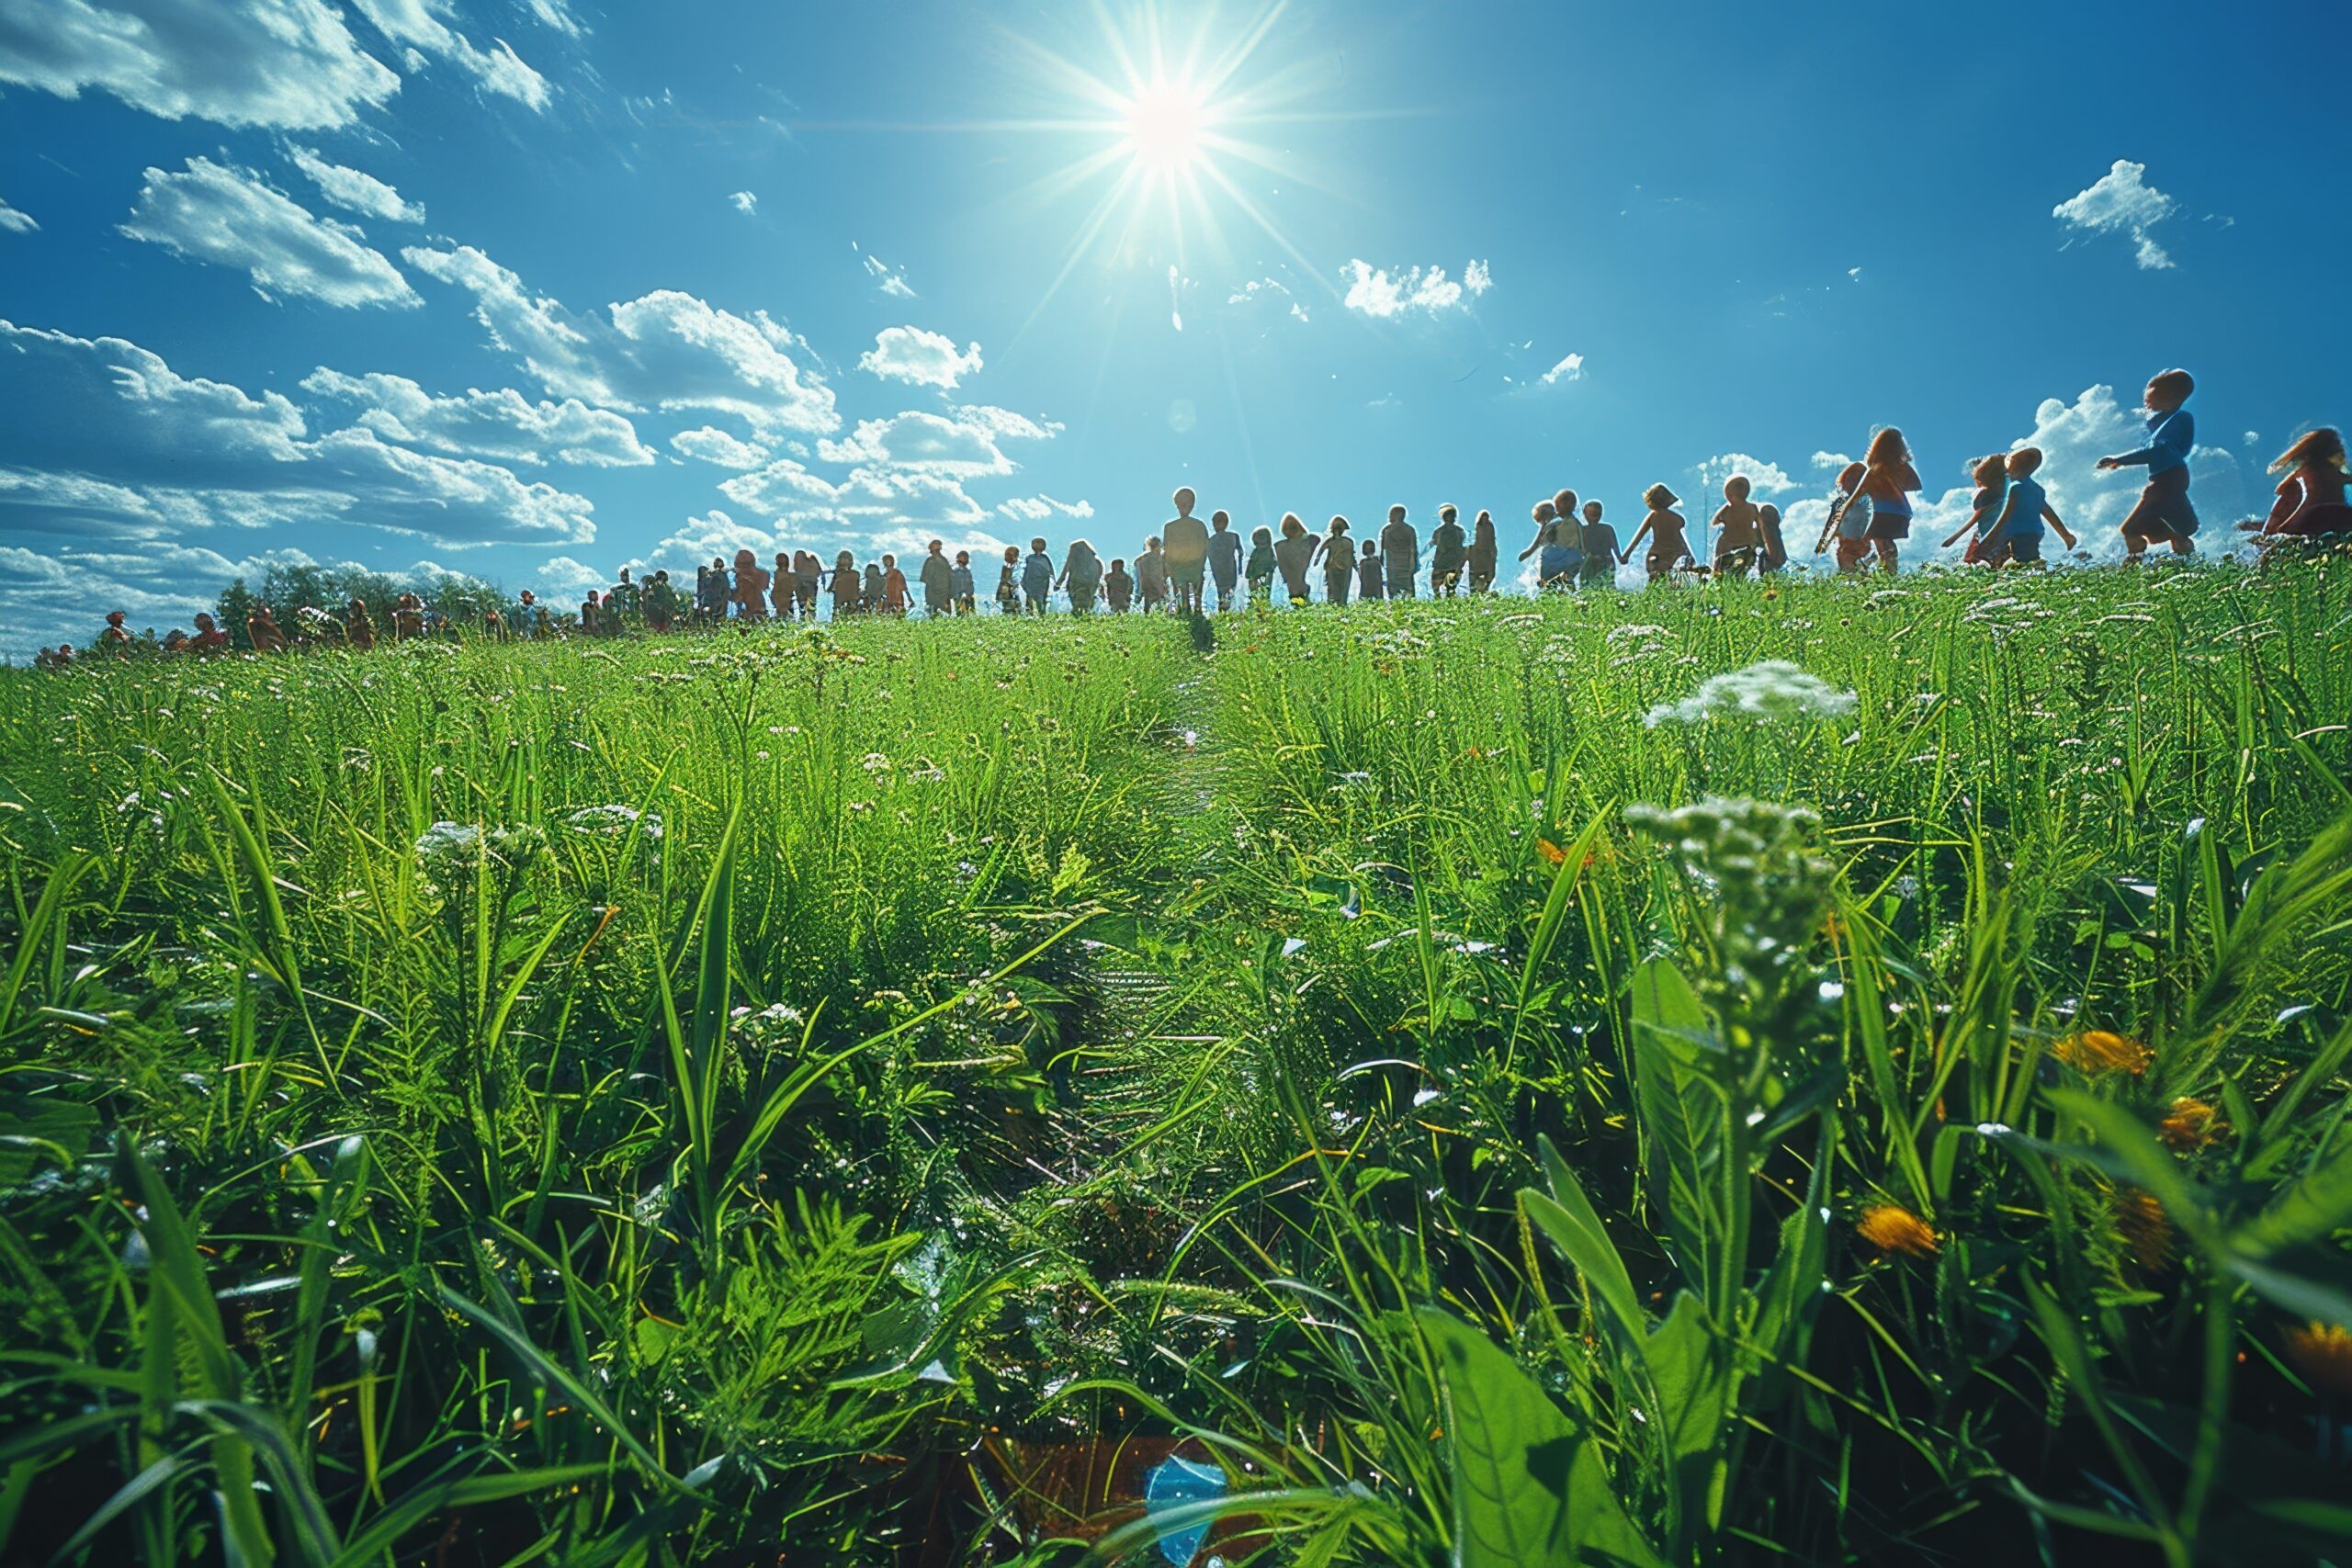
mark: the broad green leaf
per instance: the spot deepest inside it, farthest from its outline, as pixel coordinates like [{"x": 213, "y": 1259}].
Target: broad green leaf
[{"x": 1531, "y": 1488}]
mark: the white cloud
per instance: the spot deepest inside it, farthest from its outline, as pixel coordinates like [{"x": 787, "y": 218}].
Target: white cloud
[
  {"x": 1568, "y": 369},
  {"x": 502, "y": 423},
  {"x": 560, "y": 579},
  {"x": 418, "y": 24},
  {"x": 16, "y": 221},
  {"x": 226, "y": 216},
  {"x": 924, "y": 359},
  {"x": 552, "y": 14},
  {"x": 870, "y": 500},
  {"x": 1381, "y": 296},
  {"x": 1855, "y": 273},
  {"x": 929, "y": 442},
  {"x": 2121, "y": 202},
  {"x": 745, "y": 202},
  {"x": 1834, "y": 462},
  {"x": 712, "y": 445},
  {"x": 891, "y": 280},
  {"x": 665, "y": 350},
  {"x": 1042, "y": 508},
  {"x": 106, "y": 440},
  {"x": 292, "y": 64},
  {"x": 354, "y": 190},
  {"x": 1766, "y": 480}
]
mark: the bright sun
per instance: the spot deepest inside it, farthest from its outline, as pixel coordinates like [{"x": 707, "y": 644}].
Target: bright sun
[{"x": 1163, "y": 125}]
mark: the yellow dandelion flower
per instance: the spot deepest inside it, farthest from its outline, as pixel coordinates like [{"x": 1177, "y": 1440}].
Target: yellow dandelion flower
[
  {"x": 2190, "y": 1126},
  {"x": 2096, "y": 1051},
  {"x": 1891, "y": 1228},
  {"x": 1550, "y": 851},
  {"x": 2140, "y": 1220},
  {"x": 2322, "y": 1353}
]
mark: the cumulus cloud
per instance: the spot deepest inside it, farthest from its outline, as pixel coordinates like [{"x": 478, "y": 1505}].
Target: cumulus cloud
[
  {"x": 211, "y": 212},
  {"x": 924, "y": 359},
  {"x": 289, "y": 64},
  {"x": 14, "y": 222},
  {"x": 560, "y": 579},
  {"x": 1568, "y": 369},
  {"x": 1381, "y": 295},
  {"x": 1767, "y": 479},
  {"x": 745, "y": 202},
  {"x": 712, "y": 445},
  {"x": 355, "y": 190},
  {"x": 502, "y": 423},
  {"x": 106, "y": 441},
  {"x": 666, "y": 350},
  {"x": 418, "y": 26},
  {"x": 1834, "y": 462},
  {"x": 2121, "y": 202},
  {"x": 918, "y": 440}
]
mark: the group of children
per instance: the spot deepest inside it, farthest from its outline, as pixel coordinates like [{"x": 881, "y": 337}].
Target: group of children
[{"x": 1869, "y": 517}]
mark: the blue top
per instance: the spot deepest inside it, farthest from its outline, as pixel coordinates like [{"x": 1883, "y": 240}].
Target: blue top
[
  {"x": 1037, "y": 574},
  {"x": 1987, "y": 505},
  {"x": 2170, "y": 435},
  {"x": 2026, "y": 500},
  {"x": 959, "y": 581}
]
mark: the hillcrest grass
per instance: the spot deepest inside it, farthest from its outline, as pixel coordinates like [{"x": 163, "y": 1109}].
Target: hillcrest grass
[{"x": 875, "y": 1096}]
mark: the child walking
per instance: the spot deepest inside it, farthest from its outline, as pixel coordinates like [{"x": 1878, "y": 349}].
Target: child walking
[
  {"x": 1664, "y": 526},
  {"x": 2024, "y": 510},
  {"x": 1448, "y": 547},
  {"x": 2163, "y": 513},
  {"x": 1483, "y": 553},
  {"x": 1368, "y": 574},
  {"x": 1037, "y": 576},
  {"x": 1850, "y": 520},
  {"x": 1737, "y": 532},
  {"x": 1008, "y": 581},
  {"x": 1118, "y": 588},
  {"x": 1260, "y": 572},
  {"x": 1991, "y": 476},
  {"x": 2310, "y": 498}
]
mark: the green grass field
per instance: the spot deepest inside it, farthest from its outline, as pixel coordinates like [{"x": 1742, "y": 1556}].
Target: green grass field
[{"x": 1494, "y": 1097}]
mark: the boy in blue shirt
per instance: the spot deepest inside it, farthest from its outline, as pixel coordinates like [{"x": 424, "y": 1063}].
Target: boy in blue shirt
[
  {"x": 2017, "y": 531},
  {"x": 1037, "y": 576},
  {"x": 2163, "y": 511}
]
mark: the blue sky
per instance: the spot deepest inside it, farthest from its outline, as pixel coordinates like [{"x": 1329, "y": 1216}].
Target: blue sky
[{"x": 529, "y": 289}]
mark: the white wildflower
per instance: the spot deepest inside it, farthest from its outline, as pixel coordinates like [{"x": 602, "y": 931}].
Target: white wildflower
[{"x": 1771, "y": 690}]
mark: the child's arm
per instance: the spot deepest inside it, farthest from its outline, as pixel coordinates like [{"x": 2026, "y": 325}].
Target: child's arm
[
  {"x": 1536, "y": 545},
  {"x": 2049, "y": 515},
  {"x": 1829, "y": 523},
  {"x": 1627, "y": 553},
  {"x": 1965, "y": 528}
]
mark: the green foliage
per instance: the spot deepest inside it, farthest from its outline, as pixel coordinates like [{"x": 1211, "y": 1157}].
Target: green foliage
[{"x": 821, "y": 1096}]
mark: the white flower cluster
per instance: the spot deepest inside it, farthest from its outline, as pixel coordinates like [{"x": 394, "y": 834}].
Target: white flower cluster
[
  {"x": 1774, "y": 689},
  {"x": 615, "y": 822}
]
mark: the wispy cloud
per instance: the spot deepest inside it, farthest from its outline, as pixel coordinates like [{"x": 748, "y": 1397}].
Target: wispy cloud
[
  {"x": 355, "y": 190},
  {"x": 1570, "y": 368},
  {"x": 211, "y": 212}
]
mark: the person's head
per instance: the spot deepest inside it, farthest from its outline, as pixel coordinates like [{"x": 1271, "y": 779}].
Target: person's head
[
  {"x": 1151, "y": 546},
  {"x": 204, "y": 620},
  {"x": 1038, "y": 545},
  {"x": 1371, "y": 548},
  {"x": 1338, "y": 526},
  {"x": 1657, "y": 498},
  {"x": 1395, "y": 514},
  {"x": 2022, "y": 463},
  {"x": 963, "y": 558},
  {"x": 890, "y": 562},
  {"x": 1989, "y": 471},
  {"x": 1850, "y": 480},
  {"x": 1118, "y": 563},
  {"x": 116, "y": 618},
  {"x": 744, "y": 558},
  {"x": 1446, "y": 514},
  {"x": 1291, "y": 527},
  {"x": 845, "y": 562},
  {"x": 1484, "y": 522},
  {"x": 783, "y": 563},
  {"x": 1592, "y": 512},
  {"x": 1769, "y": 516},
  {"x": 1184, "y": 499},
  {"x": 357, "y": 606},
  {"x": 1011, "y": 553},
  {"x": 1219, "y": 522},
  {"x": 1887, "y": 447},
  {"x": 1082, "y": 550},
  {"x": 662, "y": 575},
  {"x": 938, "y": 546},
  {"x": 2167, "y": 389},
  {"x": 2322, "y": 448},
  {"x": 1735, "y": 489},
  {"x": 1262, "y": 535},
  {"x": 528, "y": 597},
  {"x": 1546, "y": 511},
  {"x": 624, "y": 571},
  {"x": 1563, "y": 503},
  {"x": 719, "y": 563}
]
